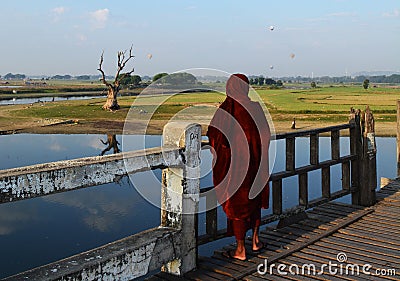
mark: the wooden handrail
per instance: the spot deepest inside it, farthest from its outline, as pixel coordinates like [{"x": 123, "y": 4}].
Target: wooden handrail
[
  {"x": 302, "y": 133},
  {"x": 350, "y": 184}
]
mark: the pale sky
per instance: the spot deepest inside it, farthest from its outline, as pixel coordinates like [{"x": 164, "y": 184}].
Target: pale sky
[{"x": 327, "y": 37}]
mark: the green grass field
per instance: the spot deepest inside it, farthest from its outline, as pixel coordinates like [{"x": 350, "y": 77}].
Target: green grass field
[
  {"x": 322, "y": 105},
  {"x": 331, "y": 99}
]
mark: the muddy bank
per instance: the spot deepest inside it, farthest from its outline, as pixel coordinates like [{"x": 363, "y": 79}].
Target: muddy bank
[{"x": 383, "y": 129}]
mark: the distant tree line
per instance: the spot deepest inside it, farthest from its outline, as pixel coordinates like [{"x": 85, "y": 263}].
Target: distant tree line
[
  {"x": 394, "y": 78},
  {"x": 10, "y": 76},
  {"x": 180, "y": 78},
  {"x": 129, "y": 80},
  {"x": 83, "y": 77},
  {"x": 62, "y": 77},
  {"x": 187, "y": 78},
  {"x": 260, "y": 81}
]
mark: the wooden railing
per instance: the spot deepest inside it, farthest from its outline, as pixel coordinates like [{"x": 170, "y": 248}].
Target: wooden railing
[
  {"x": 358, "y": 175},
  {"x": 173, "y": 245}
]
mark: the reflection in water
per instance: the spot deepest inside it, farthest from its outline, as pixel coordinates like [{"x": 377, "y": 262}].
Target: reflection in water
[
  {"x": 44, "y": 99},
  {"x": 112, "y": 143},
  {"x": 12, "y": 214},
  {"x": 99, "y": 210}
]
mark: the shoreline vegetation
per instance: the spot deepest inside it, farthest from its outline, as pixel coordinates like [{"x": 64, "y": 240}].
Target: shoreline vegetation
[{"x": 311, "y": 107}]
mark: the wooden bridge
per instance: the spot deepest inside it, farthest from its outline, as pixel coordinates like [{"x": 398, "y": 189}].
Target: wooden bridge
[
  {"x": 307, "y": 240},
  {"x": 360, "y": 243}
]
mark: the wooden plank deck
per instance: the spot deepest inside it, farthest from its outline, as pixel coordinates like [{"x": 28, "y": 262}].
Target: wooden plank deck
[{"x": 361, "y": 236}]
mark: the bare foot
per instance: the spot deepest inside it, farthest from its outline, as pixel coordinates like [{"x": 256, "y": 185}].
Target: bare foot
[
  {"x": 240, "y": 255},
  {"x": 231, "y": 254},
  {"x": 258, "y": 246}
]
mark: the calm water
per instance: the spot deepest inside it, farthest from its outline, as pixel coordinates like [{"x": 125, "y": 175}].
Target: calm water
[
  {"x": 41, "y": 230},
  {"x": 44, "y": 99}
]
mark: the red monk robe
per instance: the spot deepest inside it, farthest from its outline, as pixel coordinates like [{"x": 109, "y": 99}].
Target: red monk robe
[{"x": 239, "y": 135}]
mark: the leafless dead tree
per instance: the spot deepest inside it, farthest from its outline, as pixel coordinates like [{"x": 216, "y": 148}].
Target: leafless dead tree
[{"x": 114, "y": 87}]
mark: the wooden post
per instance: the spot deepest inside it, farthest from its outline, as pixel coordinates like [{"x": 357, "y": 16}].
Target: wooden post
[
  {"x": 368, "y": 197},
  {"x": 314, "y": 149},
  {"x": 277, "y": 197},
  {"x": 180, "y": 193},
  {"x": 335, "y": 145},
  {"x": 211, "y": 214},
  {"x": 398, "y": 138},
  {"x": 356, "y": 148},
  {"x": 290, "y": 154},
  {"x": 368, "y": 176},
  {"x": 303, "y": 190},
  {"x": 346, "y": 175},
  {"x": 326, "y": 182}
]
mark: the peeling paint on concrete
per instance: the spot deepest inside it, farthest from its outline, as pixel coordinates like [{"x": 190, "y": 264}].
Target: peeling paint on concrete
[
  {"x": 43, "y": 179},
  {"x": 126, "y": 267},
  {"x": 124, "y": 259},
  {"x": 173, "y": 267},
  {"x": 180, "y": 192}
]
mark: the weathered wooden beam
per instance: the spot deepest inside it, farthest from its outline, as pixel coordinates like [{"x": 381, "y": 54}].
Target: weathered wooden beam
[
  {"x": 326, "y": 182},
  {"x": 356, "y": 148},
  {"x": 277, "y": 197},
  {"x": 314, "y": 149},
  {"x": 335, "y": 144},
  {"x": 211, "y": 214},
  {"x": 309, "y": 168},
  {"x": 303, "y": 190},
  {"x": 310, "y": 132},
  {"x": 368, "y": 161},
  {"x": 346, "y": 175},
  {"x": 290, "y": 154},
  {"x": 125, "y": 259},
  {"x": 44, "y": 179}
]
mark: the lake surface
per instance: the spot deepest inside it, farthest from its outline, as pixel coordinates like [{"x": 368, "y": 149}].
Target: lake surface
[
  {"x": 45, "y": 99},
  {"x": 38, "y": 231}
]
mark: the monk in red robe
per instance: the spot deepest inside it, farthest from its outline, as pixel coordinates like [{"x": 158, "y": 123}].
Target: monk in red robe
[{"x": 239, "y": 137}]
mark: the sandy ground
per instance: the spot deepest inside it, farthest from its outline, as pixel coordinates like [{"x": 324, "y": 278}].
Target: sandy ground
[{"x": 155, "y": 127}]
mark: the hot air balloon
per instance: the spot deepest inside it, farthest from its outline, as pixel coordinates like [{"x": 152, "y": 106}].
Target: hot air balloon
[
  {"x": 149, "y": 56},
  {"x": 271, "y": 27},
  {"x": 292, "y": 55},
  {"x": 271, "y": 67}
]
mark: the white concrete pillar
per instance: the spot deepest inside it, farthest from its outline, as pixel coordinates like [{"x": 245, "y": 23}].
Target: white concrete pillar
[{"x": 180, "y": 192}]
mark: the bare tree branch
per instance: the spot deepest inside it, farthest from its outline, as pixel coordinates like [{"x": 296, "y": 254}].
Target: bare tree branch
[
  {"x": 102, "y": 72},
  {"x": 122, "y": 63}
]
